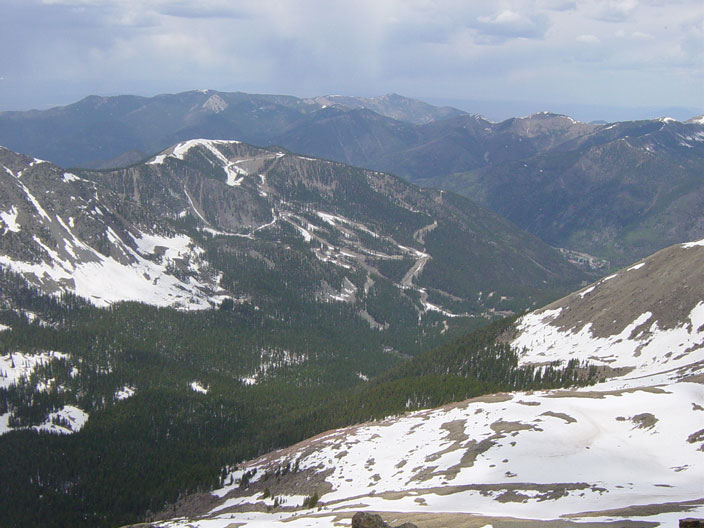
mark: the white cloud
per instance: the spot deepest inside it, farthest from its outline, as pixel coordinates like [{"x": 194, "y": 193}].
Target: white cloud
[
  {"x": 508, "y": 24},
  {"x": 588, "y": 39},
  {"x": 641, "y": 35}
]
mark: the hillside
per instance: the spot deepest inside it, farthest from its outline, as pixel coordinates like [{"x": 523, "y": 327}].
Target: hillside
[
  {"x": 628, "y": 450},
  {"x": 210, "y": 220},
  {"x": 221, "y": 296},
  {"x": 621, "y": 192},
  {"x": 617, "y": 191}
]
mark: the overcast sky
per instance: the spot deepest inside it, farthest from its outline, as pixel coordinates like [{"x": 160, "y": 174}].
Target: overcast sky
[{"x": 560, "y": 55}]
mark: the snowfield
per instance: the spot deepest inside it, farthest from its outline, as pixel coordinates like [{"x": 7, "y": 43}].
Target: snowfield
[
  {"x": 540, "y": 456},
  {"x": 19, "y": 366},
  {"x": 105, "y": 280}
]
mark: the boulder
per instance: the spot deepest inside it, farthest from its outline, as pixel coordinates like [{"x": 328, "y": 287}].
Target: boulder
[{"x": 372, "y": 520}]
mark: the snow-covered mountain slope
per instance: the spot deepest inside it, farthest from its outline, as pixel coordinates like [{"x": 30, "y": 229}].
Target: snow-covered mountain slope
[
  {"x": 63, "y": 233},
  {"x": 646, "y": 321},
  {"x": 165, "y": 232},
  {"x": 629, "y": 449},
  {"x": 17, "y": 368}
]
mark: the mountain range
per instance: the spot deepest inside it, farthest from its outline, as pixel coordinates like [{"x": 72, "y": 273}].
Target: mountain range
[
  {"x": 180, "y": 328},
  {"x": 618, "y": 191},
  {"x": 225, "y": 295},
  {"x": 97, "y": 129},
  {"x": 180, "y": 229}
]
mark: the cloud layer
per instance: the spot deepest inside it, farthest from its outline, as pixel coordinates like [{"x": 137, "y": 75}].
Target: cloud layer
[{"x": 607, "y": 52}]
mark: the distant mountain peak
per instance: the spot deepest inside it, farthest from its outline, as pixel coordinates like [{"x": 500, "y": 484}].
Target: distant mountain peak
[{"x": 550, "y": 115}]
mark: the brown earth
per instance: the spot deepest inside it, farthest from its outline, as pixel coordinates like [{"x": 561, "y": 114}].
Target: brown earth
[{"x": 669, "y": 284}]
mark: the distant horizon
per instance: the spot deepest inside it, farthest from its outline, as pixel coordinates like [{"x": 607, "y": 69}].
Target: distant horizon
[
  {"x": 593, "y": 59},
  {"x": 493, "y": 110}
]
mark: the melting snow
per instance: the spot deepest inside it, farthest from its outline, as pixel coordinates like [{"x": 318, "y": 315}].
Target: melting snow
[
  {"x": 658, "y": 350},
  {"x": 67, "y": 420},
  {"x": 585, "y": 292},
  {"x": 18, "y": 365},
  {"x": 528, "y": 455},
  {"x": 197, "y": 387},
  {"x": 125, "y": 392},
  {"x": 69, "y": 177},
  {"x": 10, "y": 219},
  {"x": 693, "y": 244},
  {"x": 234, "y": 173}
]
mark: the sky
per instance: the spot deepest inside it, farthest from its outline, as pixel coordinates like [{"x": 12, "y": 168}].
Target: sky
[{"x": 601, "y": 58}]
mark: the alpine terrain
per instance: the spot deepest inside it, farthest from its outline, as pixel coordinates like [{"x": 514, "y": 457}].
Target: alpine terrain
[
  {"x": 209, "y": 220},
  {"x": 211, "y": 302},
  {"x": 626, "y": 451},
  {"x": 615, "y": 191},
  {"x": 218, "y": 301}
]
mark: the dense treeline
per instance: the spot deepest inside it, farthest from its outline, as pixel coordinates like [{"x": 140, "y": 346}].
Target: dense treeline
[{"x": 137, "y": 454}]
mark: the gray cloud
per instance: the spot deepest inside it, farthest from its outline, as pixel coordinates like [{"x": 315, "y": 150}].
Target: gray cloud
[
  {"x": 508, "y": 24},
  {"x": 558, "y": 5},
  {"x": 55, "y": 51},
  {"x": 615, "y": 10}
]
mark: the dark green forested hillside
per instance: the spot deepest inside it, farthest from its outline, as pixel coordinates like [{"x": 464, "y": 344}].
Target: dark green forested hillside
[{"x": 140, "y": 453}]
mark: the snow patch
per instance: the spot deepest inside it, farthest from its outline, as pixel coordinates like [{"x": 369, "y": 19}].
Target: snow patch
[
  {"x": 16, "y": 365},
  {"x": 652, "y": 351},
  {"x": 67, "y": 420},
  {"x": 9, "y": 218},
  {"x": 197, "y": 387},
  {"x": 688, "y": 245},
  {"x": 531, "y": 447},
  {"x": 215, "y": 104},
  {"x": 235, "y": 174},
  {"x": 103, "y": 280},
  {"x": 270, "y": 359},
  {"x": 585, "y": 292},
  {"x": 125, "y": 392},
  {"x": 70, "y": 177}
]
